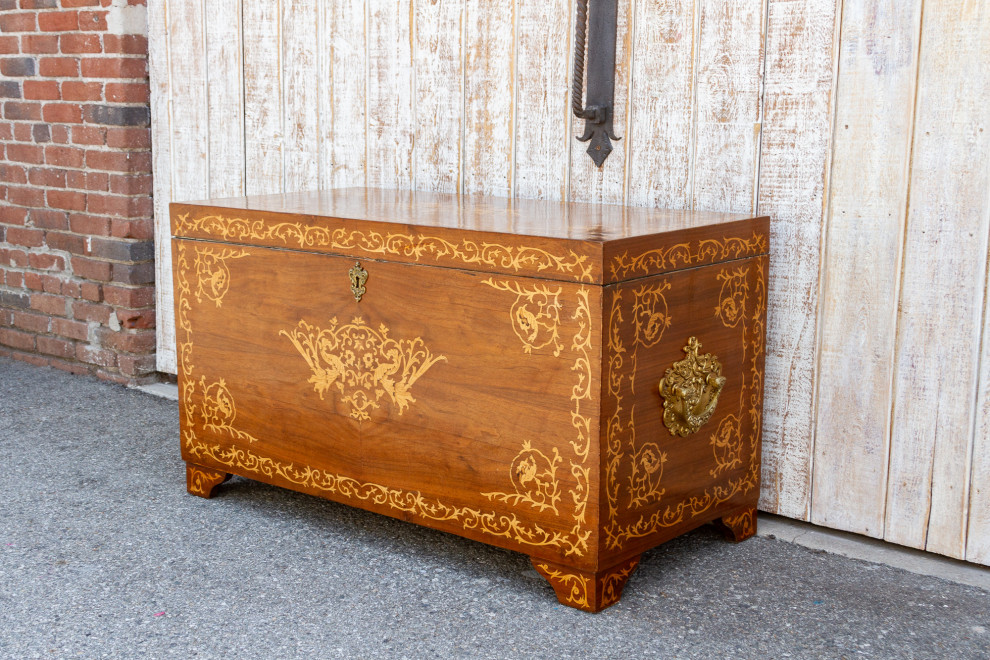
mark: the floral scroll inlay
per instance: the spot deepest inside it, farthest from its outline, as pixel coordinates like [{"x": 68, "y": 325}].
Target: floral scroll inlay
[
  {"x": 650, "y": 313},
  {"x": 535, "y": 315},
  {"x": 363, "y": 364},
  {"x": 534, "y": 477}
]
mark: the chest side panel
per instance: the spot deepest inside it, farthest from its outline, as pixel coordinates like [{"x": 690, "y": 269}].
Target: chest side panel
[
  {"x": 682, "y": 401},
  {"x": 461, "y": 400}
]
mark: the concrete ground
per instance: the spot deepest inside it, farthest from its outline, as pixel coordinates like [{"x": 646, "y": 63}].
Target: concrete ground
[{"x": 103, "y": 554}]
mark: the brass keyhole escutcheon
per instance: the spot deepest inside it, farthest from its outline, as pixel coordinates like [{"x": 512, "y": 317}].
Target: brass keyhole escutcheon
[
  {"x": 690, "y": 390},
  {"x": 359, "y": 278}
]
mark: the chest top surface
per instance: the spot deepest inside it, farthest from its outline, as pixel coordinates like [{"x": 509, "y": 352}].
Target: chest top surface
[{"x": 569, "y": 241}]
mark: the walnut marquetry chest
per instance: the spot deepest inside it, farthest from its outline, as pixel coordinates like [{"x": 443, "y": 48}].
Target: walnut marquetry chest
[{"x": 577, "y": 383}]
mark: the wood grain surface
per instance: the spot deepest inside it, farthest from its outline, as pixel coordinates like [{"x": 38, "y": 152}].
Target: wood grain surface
[
  {"x": 521, "y": 411},
  {"x": 867, "y": 212}
]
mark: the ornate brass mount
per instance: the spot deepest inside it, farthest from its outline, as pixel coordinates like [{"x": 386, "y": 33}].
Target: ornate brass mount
[
  {"x": 359, "y": 277},
  {"x": 690, "y": 390}
]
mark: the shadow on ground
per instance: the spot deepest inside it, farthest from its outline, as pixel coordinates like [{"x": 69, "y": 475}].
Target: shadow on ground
[{"x": 103, "y": 554}]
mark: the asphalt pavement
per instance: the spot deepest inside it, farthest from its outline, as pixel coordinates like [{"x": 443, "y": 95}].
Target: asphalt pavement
[{"x": 103, "y": 554}]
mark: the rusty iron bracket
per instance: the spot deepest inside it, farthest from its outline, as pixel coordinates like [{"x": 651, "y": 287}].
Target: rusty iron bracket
[{"x": 594, "y": 45}]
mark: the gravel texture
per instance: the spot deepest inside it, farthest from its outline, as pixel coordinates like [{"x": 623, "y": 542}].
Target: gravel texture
[{"x": 103, "y": 554}]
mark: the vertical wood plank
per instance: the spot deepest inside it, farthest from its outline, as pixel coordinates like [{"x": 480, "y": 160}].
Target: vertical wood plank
[
  {"x": 489, "y": 93},
  {"x": 263, "y": 131},
  {"x": 730, "y": 78},
  {"x": 438, "y": 94},
  {"x": 942, "y": 299},
  {"x": 588, "y": 183},
  {"x": 872, "y": 151},
  {"x": 161, "y": 137},
  {"x": 797, "y": 127},
  {"x": 341, "y": 93},
  {"x": 662, "y": 100},
  {"x": 190, "y": 117},
  {"x": 978, "y": 537},
  {"x": 300, "y": 89},
  {"x": 542, "y": 103},
  {"x": 390, "y": 92},
  {"x": 225, "y": 98}
]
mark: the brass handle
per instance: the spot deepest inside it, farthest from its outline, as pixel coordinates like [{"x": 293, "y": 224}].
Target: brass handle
[
  {"x": 359, "y": 277},
  {"x": 690, "y": 390}
]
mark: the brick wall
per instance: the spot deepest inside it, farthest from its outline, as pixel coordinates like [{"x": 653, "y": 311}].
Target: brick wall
[{"x": 76, "y": 234}]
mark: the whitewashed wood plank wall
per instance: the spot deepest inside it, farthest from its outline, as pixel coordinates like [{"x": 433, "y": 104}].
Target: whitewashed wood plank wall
[{"x": 862, "y": 127}]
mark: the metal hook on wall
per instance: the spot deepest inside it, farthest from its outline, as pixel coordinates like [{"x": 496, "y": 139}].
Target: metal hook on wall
[{"x": 594, "y": 45}]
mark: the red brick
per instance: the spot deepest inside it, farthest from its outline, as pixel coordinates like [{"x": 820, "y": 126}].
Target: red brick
[
  {"x": 23, "y": 22},
  {"x": 16, "y": 174},
  {"x": 31, "y": 322},
  {"x": 17, "y": 339},
  {"x": 39, "y": 4},
  {"x": 59, "y": 67},
  {"x": 58, "y": 21},
  {"x": 15, "y": 279},
  {"x": 131, "y": 44},
  {"x": 47, "y": 177},
  {"x": 39, "y": 43},
  {"x": 36, "y": 360},
  {"x": 80, "y": 3},
  {"x": 25, "y": 236},
  {"x": 91, "y": 269},
  {"x": 66, "y": 242},
  {"x": 82, "y": 91},
  {"x": 114, "y": 67},
  {"x": 62, "y": 113},
  {"x": 136, "y": 365},
  {"x": 9, "y": 45},
  {"x": 26, "y": 153},
  {"x": 57, "y": 347},
  {"x": 22, "y": 111},
  {"x": 126, "y": 296},
  {"x": 140, "y": 341},
  {"x": 48, "y": 219},
  {"x": 84, "y": 311},
  {"x": 136, "y": 162},
  {"x": 98, "y": 181},
  {"x": 52, "y": 283},
  {"x": 65, "y": 156},
  {"x": 48, "y": 304},
  {"x": 129, "y": 138},
  {"x": 42, "y": 132},
  {"x": 120, "y": 206},
  {"x": 143, "y": 228},
  {"x": 89, "y": 224},
  {"x": 34, "y": 282},
  {"x": 6, "y": 132},
  {"x": 17, "y": 258},
  {"x": 6, "y": 315},
  {"x": 98, "y": 356},
  {"x": 12, "y": 215},
  {"x": 136, "y": 319},
  {"x": 93, "y": 20},
  {"x": 140, "y": 184},
  {"x": 128, "y": 92},
  {"x": 70, "y": 200},
  {"x": 71, "y": 288},
  {"x": 72, "y": 367},
  {"x": 25, "y": 196},
  {"x": 22, "y": 132},
  {"x": 138, "y": 273},
  {"x": 60, "y": 133},
  {"x": 71, "y": 329},
  {"x": 80, "y": 43},
  {"x": 89, "y": 135},
  {"x": 91, "y": 291},
  {"x": 41, "y": 90},
  {"x": 41, "y": 261}
]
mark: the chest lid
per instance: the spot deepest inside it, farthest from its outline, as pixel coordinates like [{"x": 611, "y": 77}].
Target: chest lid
[{"x": 567, "y": 241}]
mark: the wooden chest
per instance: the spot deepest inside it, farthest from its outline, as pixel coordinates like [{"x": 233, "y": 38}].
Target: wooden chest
[{"x": 577, "y": 383}]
